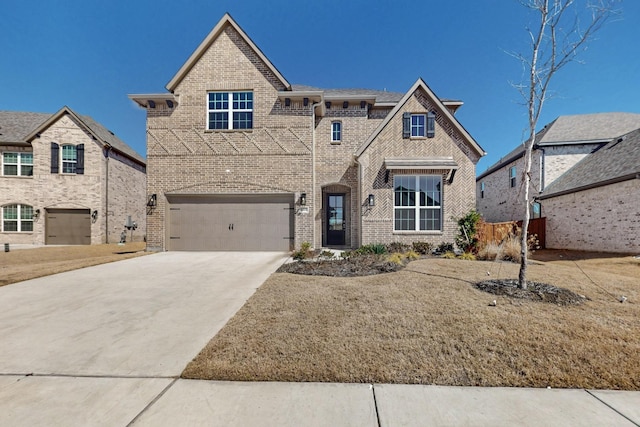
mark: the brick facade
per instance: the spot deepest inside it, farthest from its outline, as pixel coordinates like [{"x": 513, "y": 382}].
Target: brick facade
[
  {"x": 289, "y": 149},
  {"x": 45, "y": 190}
]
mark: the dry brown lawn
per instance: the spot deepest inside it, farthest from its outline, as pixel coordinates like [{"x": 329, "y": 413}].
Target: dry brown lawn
[
  {"x": 24, "y": 264},
  {"x": 427, "y": 324}
]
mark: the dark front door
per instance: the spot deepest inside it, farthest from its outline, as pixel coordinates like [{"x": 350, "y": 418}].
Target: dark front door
[{"x": 336, "y": 224}]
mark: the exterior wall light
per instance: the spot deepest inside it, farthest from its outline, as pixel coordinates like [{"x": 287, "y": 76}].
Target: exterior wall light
[
  {"x": 36, "y": 214},
  {"x": 153, "y": 200},
  {"x": 303, "y": 199},
  {"x": 371, "y": 200},
  {"x": 94, "y": 215}
]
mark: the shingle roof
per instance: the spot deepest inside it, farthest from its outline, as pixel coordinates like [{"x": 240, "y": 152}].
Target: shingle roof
[
  {"x": 110, "y": 138},
  {"x": 380, "y": 95},
  {"x": 597, "y": 127},
  {"x": 617, "y": 161},
  {"x": 16, "y": 125}
]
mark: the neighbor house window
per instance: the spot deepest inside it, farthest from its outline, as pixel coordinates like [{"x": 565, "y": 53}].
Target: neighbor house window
[
  {"x": 17, "y": 164},
  {"x": 417, "y": 203},
  {"x": 482, "y": 190},
  {"x": 512, "y": 176},
  {"x": 17, "y": 218},
  {"x": 230, "y": 110},
  {"x": 336, "y": 131}
]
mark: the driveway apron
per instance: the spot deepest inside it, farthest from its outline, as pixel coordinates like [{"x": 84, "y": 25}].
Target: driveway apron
[{"x": 142, "y": 317}]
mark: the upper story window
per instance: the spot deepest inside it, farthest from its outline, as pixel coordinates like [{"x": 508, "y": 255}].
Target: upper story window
[
  {"x": 230, "y": 110},
  {"x": 417, "y": 203},
  {"x": 336, "y": 131},
  {"x": 70, "y": 161},
  {"x": 482, "y": 190},
  {"x": 17, "y": 164},
  {"x": 418, "y": 125},
  {"x": 512, "y": 176},
  {"x": 17, "y": 218}
]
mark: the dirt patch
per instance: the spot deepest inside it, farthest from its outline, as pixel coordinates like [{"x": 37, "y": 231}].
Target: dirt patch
[
  {"x": 535, "y": 292},
  {"x": 363, "y": 265},
  {"x": 24, "y": 264}
]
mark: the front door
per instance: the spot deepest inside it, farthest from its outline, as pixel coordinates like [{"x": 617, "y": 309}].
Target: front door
[{"x": 336, "y": 224}]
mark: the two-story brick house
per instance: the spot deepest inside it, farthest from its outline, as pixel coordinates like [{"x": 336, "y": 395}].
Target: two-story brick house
[
  {"x": 240, "y": 159},
  {"x": 65, "y": 179}
]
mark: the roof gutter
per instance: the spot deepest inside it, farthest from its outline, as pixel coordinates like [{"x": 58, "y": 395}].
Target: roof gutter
[{"x": 628, "y": 177}]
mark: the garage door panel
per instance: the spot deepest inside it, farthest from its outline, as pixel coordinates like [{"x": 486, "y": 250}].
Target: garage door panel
[
  {"x": 68, "y": 227},
  {"x": 231, "y": 223}
]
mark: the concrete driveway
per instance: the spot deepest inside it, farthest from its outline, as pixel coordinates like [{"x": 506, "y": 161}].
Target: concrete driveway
[{"x": 143, "y": 317}]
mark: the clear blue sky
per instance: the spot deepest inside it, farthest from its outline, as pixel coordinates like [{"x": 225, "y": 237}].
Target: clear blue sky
[{"x": 90, "y": 54}]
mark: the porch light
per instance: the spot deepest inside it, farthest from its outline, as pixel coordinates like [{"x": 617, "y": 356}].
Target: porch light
[
  {"x": 371, "y": 200},
  {"x": 94, "y": 215},
  {"x": 36, "y": 214},
  {"x": 303, "y": 199},
  {"x": 152, "y": 201}
]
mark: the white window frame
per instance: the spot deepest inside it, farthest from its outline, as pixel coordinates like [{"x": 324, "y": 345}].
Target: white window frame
[
  {"x": 418, "y": 207},
  {"x": 19, "y": 163},
  {"x": 21, "y": 222},
  {"x": 232, "y": 106},
  {"x": 336, "y": 131},
  {"x": 512, "y": 176},
  {"x": 418, "y": 130},
  {"x": 72, "y": 163}
]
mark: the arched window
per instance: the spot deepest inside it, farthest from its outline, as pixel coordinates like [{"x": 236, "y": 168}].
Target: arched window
[{"x": 17, "y": 218}]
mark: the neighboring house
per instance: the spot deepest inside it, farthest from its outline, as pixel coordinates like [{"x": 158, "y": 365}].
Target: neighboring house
[
  {"x": 595, "y": 205},
  {"x": 240, "y": 159},
  {"x": 65, "y": 179},
  {"x": 559, "y": 146}
]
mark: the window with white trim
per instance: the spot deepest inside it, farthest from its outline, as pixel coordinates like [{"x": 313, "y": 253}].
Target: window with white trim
[
  {"x": 417, "y": 203},
  {"x": 17, "y": 218},
  {"x": 418, "y": 125},
  {"x": 512, "y": 176},
  {"x": 17, "y": 164},
  {"x": 230, "y": 110},
  {"x": 336, "y": 131},
  {"x": 69, "y": 158}
]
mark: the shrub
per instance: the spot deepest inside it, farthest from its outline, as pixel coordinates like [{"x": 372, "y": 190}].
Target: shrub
[
  {"x": 444, "y": 248},
  {"x": 467, "y": 237},
  {"x": 303, "y": 253},
  {"x": 397, "y": 247},
  {"x": 490, "y": 252},
  {"x": 423, "y": 248},
  {"x": 449, "y": 255},
  {"x": 372, "y": 248},
  {"x": 468, "y": 256},
  {"x": 395, "y": 258},
  {"x": 511, "y": 248},
  {"x": 411, "y": 255},
  {"x": 326, "y": 254}
]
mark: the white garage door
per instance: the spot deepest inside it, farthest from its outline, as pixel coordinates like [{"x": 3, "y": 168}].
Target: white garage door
[{"x": 230, "y": 222}]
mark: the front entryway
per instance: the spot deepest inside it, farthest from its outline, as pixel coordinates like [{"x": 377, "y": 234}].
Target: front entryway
[{"x": 336, "y": 222}]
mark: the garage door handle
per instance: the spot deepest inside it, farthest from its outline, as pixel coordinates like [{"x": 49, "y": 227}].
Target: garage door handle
[{"x": 231, "y": 227}]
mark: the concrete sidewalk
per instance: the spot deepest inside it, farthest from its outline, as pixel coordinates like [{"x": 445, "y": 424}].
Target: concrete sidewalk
[{"x": 83, "y": 401}]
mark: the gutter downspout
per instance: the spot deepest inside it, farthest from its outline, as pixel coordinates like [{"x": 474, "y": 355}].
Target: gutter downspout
[
  {"x": 313, "y": 170},
  {"x": 106, "y": 202}
]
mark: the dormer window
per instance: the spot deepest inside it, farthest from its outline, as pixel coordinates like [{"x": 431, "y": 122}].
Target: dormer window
[{"x": 230, "y": 110}]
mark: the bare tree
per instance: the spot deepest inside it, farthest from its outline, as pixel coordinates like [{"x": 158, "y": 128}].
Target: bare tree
[{"x": 564, "y": 28}]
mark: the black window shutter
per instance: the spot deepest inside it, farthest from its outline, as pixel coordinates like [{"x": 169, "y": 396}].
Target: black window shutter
[
  {"x": 80, "y": 159},
  {"x": 431, "y": 125},
  {"x": 55, "y": 161},
  {"x": 406, "y": 125}
]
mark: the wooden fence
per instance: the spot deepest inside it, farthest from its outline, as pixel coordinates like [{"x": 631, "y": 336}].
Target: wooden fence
[{"x": 496, "y": 232}]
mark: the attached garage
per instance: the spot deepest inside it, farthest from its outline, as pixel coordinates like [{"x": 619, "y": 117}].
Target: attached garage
[
  {"x": 230, "y": 222},
  {"x": 68, "y": 227}
]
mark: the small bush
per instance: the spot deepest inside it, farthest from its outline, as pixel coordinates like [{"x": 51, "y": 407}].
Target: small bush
[
  {"x": 372, "y": 248},
  {"x": 468, "y": 256},
  {"x": 467, "y": 237},
  {"x": 326, "y": 254},
  {"x": 423, "y": 248},
  {"x": 490, "y": 252},
  {"x": 397, "y": 247},
  {"x": 412, "y": 255},
  {"x": 511, "y": 248},
  {"x": 444, "y": 248},
  {"x": 449, "y": 255},
  {"x": 395, "y": 258},
  {"x": 303, "y": 253}
]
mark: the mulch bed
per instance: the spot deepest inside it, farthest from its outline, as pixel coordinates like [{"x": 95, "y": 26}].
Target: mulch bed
[
  {"x": 363, "y": 265},
  {"x": 535, "y": 292}
]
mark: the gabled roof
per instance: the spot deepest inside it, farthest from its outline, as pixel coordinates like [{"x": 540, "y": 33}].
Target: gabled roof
[
  {"x": 16, "y": 125},
  {"x": 420, "y": 84},
  {"x": 213, "y": 35},
  {"x": 102, "y": 134},
  {"x": 617, "y": 161},
  {"x": 597, "y": 128}
]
